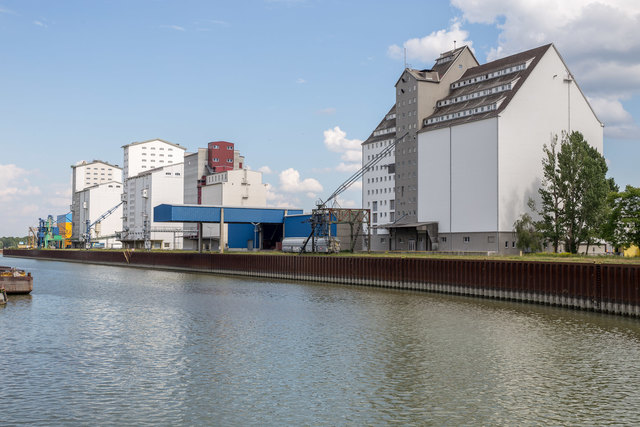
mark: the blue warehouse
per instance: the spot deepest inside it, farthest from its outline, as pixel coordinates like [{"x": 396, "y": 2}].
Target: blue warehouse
[{"x": 240, "y": 228}]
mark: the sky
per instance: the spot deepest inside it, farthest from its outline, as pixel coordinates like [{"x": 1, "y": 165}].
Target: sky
[{"x": 297, "y": 85}]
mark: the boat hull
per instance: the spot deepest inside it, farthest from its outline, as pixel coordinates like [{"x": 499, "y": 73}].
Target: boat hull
[{"x": 15, "y": 282}]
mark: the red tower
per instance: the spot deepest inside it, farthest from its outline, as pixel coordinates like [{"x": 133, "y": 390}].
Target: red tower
[{"x": 220, "y": 155}]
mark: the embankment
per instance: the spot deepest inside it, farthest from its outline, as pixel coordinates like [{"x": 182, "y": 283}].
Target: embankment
[{"x": 610, "y": 288}]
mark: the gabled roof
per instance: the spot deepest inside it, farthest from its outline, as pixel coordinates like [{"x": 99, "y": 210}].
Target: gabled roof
[
  {"x": 152, "y": 140},
  {"x": 442, "y": 65},
  {"x": 484, "y": 91},
  {"x": 156, "y": 169},
  {"x": 385, "y": 123},
  {"x": 85, "y": 163}
]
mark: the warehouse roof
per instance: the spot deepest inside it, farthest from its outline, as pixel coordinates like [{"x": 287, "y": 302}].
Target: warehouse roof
[{"x": 232, "y": 214}]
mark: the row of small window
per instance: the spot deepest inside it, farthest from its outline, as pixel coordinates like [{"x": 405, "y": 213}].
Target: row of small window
[
  {"x": 410, "y": 113},
  {"x": 390, "y": 116},
  {"x": 411, "y": 126},
  {"x": 229, "y": 147},
  {"x": 381, "y": 191},
  {"x": 96, "y": 173},
  {"x": 169, "y": 173},
  {"x": 444, "y": 59},
  {"x": 215, "y": 159},
  {"x": 409, "y": 89},
  {"x": 96, "y": 168},
  {"x": 374, "y": 205},
  {"x": 380, "y": 179},
  {"x": 464, "y": 113},
  {"x": 490, "y": 239},
  {"x": 160, "y": 155},
  {"x": 373, "y": 156},
  {"x": 492, "y": 75},
  {"x": 379, "y": 144},
  {"x": 384, "y": 131},
  {"x": 407, "y": 175},
  {"x": 160, "y": 148},
  {"x": 478, "y": 94}
]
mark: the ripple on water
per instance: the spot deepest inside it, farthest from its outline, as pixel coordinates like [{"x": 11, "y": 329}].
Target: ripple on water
[{"x": 107, "y": 345}]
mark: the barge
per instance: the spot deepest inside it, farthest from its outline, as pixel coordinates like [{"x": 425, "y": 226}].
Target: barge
[{"x": 15, "y": 281}]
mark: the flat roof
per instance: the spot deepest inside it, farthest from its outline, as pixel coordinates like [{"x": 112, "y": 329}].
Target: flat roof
[{"x": 212, "y": 213}]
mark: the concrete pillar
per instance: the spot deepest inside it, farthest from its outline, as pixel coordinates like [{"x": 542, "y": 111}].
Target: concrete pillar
[{"x": 221, "y": 231}]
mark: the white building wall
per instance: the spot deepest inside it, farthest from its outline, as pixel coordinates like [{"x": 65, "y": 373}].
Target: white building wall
[
  {"x": 434, "y": 178},
  {"x": 458, "y": 177},
  {"x": 378, "y": 185},
  {"x": 144, "y": 192},
  {"x": 143, "y": 156},
  {"x": 96, "y": 201},
  {"x": 474, "y": 180},
  {"x": 543, "y": 107},
  {"x": 235, "y": 188}
]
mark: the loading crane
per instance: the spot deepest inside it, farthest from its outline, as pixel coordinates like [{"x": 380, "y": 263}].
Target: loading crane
[
  {"x": 323, "y": 216},
  {"x": 87, "y": 234}
]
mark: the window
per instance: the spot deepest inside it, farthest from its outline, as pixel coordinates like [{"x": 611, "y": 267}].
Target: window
[
  {"x": 506, "y": 244},
  {"x": 466, "y": 239},
  {"x": 513, "y": 244},
  {"x": 229, "y": 147},
  {"x": 443, "y": 239},
  {"x": 375, "y": 206},
  {"x": 177, "y": 173}
]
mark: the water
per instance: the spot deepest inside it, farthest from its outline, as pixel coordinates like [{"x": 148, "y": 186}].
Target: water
[{"x": 110, "y": 345}]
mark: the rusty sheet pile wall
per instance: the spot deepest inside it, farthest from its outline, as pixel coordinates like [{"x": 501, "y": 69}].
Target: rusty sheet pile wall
[{"x": 599, "y": 287}]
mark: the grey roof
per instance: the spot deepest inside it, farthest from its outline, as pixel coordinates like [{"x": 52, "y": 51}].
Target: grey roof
[
  {"x": 156, "y": 169},
  {"x": 384, "y": 124},
  {"x": 155, "y": 139},
  {"x": 440, "y": 68},
  {"x": 519, "y": 77},
  {"x": 85, "y": 163}
]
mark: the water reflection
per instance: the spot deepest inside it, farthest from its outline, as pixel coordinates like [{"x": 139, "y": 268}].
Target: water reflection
[{"x": 108, "y": 345}]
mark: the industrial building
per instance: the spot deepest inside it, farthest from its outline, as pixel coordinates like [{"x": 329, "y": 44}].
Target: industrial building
[
  {"x": 84, "y": 175},
  {"x": 378, "y": 189},
  {"x": 94, "y": 202},
  {"x": 476, "y": 157},
  {"x": 153, "y": 174},
  {"x": 239, "y": 228},
  {"x": 144, "y": 191},
  {"x": 215, "y": 176}
]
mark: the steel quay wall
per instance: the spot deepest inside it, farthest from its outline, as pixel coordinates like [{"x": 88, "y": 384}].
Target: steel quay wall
[{"x": 611, "y": 288}]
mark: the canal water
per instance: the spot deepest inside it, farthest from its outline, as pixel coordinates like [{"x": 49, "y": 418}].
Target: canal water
[{"x": 110, "y": 345}]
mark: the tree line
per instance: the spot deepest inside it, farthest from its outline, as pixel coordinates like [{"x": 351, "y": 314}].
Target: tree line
[
  {"x": 579, "y": 205},
  {"x": 11, "y": 242}
]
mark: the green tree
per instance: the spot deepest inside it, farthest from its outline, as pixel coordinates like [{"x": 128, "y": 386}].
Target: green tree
[
  {"x": 573, "y": 193},
  {"x": 528, "y": 238},
  {"x": 551, "y": 210},
  {"x": 623, "y": 225}
]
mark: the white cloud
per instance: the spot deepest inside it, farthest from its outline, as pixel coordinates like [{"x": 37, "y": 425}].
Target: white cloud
[
  {"x": 348, "y": 167},
  {"x": 336, "y": 140},
  {"x": 14, "y": 183},
  {"x": 265, "y": 170},
  {"x": 40, "y": 24},
  {"x": 599, "y": 39},
  {"x": 346, "y": 203},
  {"x": 278, "y": 200},
  {"x": 290, "y": 183},
  {"x": 327, "y": 111},
  {"x": 428, "y": 48},
  {"x": 300, "y": 80}
]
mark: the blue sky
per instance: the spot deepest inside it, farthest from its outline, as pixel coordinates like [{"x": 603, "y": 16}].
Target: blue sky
[{"x": 296, "y": 85}]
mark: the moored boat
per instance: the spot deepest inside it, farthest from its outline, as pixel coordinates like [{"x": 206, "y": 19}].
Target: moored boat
[
  {"x": 15, "y": 281},
  {"x": 3, "y": 296}
]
